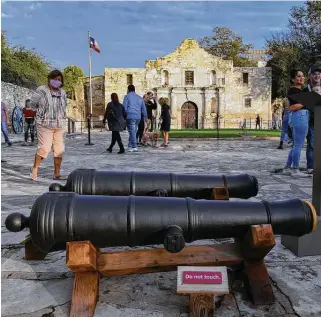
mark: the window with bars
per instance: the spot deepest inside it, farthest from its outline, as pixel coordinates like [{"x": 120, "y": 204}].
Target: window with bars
[
  {"x": 246, "y": 78},
  {"x": 189, "y": 77},
  {"x": 129, "y": 79},
  {"x": 247, "y": 102}
]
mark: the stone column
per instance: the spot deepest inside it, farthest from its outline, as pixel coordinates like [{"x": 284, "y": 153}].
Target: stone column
[
  {"x": 218, "y": 106},
  {"x": 203, "y": 108},
  {"x": 170, "y": 89}
]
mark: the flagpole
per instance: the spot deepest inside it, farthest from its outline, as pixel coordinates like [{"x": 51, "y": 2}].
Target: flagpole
[
  {"x": 90, "y": 88},
  {"x": 89, "y": 116}
]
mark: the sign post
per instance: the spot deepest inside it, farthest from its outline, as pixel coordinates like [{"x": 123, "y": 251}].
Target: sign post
[{"x": 202, "y": 283}]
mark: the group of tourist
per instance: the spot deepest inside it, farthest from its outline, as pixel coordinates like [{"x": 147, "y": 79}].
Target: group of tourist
[
  {"x": 298, "y": 122},
  {"x": 47, "y": 111},
  {"x": 135, "y": 114},
  {"x": 47, "y": 107}
]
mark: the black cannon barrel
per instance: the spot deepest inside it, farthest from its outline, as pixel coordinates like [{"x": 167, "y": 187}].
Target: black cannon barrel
[
  {"x": 124, "y": 183},
  {"x": 57, "y": 218}
]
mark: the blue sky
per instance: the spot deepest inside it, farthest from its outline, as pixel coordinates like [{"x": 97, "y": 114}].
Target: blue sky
[{"x": 129, "y": 33}]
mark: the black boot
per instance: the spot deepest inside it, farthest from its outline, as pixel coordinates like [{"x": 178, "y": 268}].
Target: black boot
[
  {"x": 121, "y": 149},
  {"x": 280, "y": 147},
  {"x": 110, "y": 150}
]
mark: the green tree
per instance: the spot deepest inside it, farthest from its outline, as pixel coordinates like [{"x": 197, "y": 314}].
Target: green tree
[
  {"x": 285, "y": 56},
  {"x": 71, "y": 79},
  {"x": 305, "y": 30},
  {"x": 297, "y": 48},
  {"x": 22, "y": 66},
  {"x": 226, "y": 44}
]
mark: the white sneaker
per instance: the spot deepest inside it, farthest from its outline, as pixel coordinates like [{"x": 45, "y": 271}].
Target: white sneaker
[
  {"x": 287, "y": 171},
  {"x": 297, "y": 173},
  {"x": 132, "y": 149},
  {"x": 310, "y": 171}
]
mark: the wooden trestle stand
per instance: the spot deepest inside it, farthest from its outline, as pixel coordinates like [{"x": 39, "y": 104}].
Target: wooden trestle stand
[{"x": 89, "y": 263}]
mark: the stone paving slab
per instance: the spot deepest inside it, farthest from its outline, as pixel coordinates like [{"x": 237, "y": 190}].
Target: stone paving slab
[{"x": 43, "y": 288}]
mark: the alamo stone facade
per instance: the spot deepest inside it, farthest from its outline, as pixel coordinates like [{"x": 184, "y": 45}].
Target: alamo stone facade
[{"x": 199, "y": 86}]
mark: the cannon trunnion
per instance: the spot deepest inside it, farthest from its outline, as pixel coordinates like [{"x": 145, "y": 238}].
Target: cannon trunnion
[
  {"x": 57, "y": 218},
  {"x": 124, "y": 183}
]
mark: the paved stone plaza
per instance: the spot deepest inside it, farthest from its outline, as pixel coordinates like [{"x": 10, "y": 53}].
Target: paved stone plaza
[{"x": 44, "y": 288}]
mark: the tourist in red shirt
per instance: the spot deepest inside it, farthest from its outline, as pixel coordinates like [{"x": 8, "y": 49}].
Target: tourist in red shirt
[{"x": 29, "y": 116}]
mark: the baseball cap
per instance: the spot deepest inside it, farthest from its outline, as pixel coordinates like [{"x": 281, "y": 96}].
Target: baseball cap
[{"x": 313, "y": 69}]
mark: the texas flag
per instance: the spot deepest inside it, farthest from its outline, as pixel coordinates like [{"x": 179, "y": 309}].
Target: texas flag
[{"x": 94, "y": 45}]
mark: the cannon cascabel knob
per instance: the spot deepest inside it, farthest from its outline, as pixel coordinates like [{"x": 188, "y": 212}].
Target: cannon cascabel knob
[
  {"x": 55, "y": 187},
  {"x": 16, "y": 222},
  {"x": 174, "y": 241}
]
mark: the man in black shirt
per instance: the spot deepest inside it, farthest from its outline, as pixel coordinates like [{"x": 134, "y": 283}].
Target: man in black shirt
[{"x": 150, "y": 106}]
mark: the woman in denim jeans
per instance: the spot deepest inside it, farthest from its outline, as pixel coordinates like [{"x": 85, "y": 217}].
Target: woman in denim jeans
[
  {"x": 299, "y": 123},
  {"x": 285, "y": 124}
]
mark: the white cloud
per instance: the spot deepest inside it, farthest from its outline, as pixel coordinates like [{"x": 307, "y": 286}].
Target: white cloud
[
  {"x": 6, "y": 16},
  {"x": 272, "y": 28},
  {"x": 35, "y": 6},
  {"x": 161, "y": 29},
  {"x": 258, "y": 13},
  {"x": 186, "y": 8},
  {"x": 276, "y": 29}
]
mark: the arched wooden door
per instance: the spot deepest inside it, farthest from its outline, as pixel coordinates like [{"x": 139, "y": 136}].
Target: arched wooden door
[{"x": 189, "y": 115}]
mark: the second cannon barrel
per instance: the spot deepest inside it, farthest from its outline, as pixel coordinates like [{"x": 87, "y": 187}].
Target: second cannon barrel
[
  {"x": 125, "y": 183},
  {"x": 107, "y": 221}
]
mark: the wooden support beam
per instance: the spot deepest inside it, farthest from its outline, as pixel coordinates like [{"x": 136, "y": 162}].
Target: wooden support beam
[
  {"x": 201, "y": 305},
  {"x": 256, "y": 244},
  {"x": 84, "y": 294},
  {"x": 81, "y": 256},
  {"x": 220, "y": 193},
  {"x": 159, "y": 260}
]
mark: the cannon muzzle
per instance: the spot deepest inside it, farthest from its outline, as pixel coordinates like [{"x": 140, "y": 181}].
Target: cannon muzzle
[
  {"x": 106, "y": 221},
  {"x": 122, "y": 183}
]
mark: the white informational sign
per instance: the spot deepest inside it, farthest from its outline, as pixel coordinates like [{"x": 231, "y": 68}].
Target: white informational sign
[{"x": 202, "y": 279}]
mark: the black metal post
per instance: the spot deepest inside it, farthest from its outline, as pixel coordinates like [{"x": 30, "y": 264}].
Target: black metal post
[
  {"x": 218, "y": 114},
  {"x": 310, "y": 245},
  {"x": 89, "y": 128},
  {"x": 316, "y": 188}
]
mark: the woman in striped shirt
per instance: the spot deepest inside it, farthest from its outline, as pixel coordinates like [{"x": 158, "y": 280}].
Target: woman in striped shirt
[{"x": 50, "y": 102}]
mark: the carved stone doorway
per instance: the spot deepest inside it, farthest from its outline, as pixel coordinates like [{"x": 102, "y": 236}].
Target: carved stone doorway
[{"x": 189, "y": 115}]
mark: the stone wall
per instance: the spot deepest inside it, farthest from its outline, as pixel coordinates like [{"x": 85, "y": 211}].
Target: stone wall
[
  {"x": 258, "y": 90},
  {"x": 98, "y": 96},
  {"x": 116, "y": 81},
  {"x": 189, "y": 56},
  {"x": 218, "y": 86},
  {"x": 13, "y": 95},
  {"x": 216, "y": 82}
]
